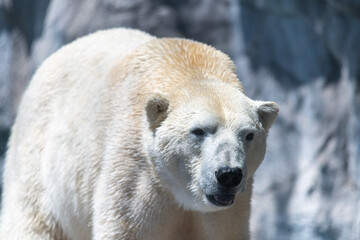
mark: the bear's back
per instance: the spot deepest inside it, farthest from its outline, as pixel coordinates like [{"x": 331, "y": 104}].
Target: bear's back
[
  {"x": 59, "y": 121},
  {"x": 71, "y": 82}
]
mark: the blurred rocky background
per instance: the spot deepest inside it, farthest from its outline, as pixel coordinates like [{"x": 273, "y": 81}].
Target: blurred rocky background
[{"x": 303, "y": 54}]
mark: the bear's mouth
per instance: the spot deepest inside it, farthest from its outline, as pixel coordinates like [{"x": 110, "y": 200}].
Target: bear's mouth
[{"x": 222, "y": 200}]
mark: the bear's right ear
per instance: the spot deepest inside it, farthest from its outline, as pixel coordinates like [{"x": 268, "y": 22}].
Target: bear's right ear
[{"x": 156, "y": 110}]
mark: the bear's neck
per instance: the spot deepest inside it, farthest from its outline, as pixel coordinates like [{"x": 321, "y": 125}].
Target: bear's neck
[{"x": 193, "y": 225}]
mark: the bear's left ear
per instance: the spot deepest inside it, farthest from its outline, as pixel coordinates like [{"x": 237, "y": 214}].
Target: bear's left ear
[
  {"x": 156, "y": 110},
  {"x": 268, "y": 112}
]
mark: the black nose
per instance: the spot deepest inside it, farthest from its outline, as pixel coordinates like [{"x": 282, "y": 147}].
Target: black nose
[{"x": 229, "y": 177}]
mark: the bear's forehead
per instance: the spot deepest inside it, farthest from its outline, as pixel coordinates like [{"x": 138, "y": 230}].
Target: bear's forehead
[
  {"x": 216, "y": 104},
  {"x": 234, "y": 119}
]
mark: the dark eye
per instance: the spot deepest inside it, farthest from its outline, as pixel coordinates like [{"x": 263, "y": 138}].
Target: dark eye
[
  {"x": 198, "y": 132},
  {"x": 249, "y": 137}
]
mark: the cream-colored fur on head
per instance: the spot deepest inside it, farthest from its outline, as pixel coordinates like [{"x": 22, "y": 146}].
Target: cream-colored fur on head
[{"x": 121, "y": 135}]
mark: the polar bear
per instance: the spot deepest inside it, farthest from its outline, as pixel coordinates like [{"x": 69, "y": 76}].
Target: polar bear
[{"x": 121, "y": 135}]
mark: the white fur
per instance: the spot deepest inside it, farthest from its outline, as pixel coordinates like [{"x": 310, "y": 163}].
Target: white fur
[{"x": 102, "y": 145}]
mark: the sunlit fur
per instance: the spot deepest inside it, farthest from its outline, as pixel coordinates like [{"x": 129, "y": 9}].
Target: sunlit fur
[{"x": 102, "y": 149}]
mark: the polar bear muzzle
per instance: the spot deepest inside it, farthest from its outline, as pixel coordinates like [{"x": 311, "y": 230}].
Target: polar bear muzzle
[{"x": 229, "y": 177}]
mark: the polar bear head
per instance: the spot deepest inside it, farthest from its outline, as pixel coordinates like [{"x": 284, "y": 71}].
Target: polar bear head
[{"x": 208, "y": 140}]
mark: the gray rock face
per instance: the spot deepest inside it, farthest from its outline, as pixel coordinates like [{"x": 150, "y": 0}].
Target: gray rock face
[{"x": 303, "y": 54}]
